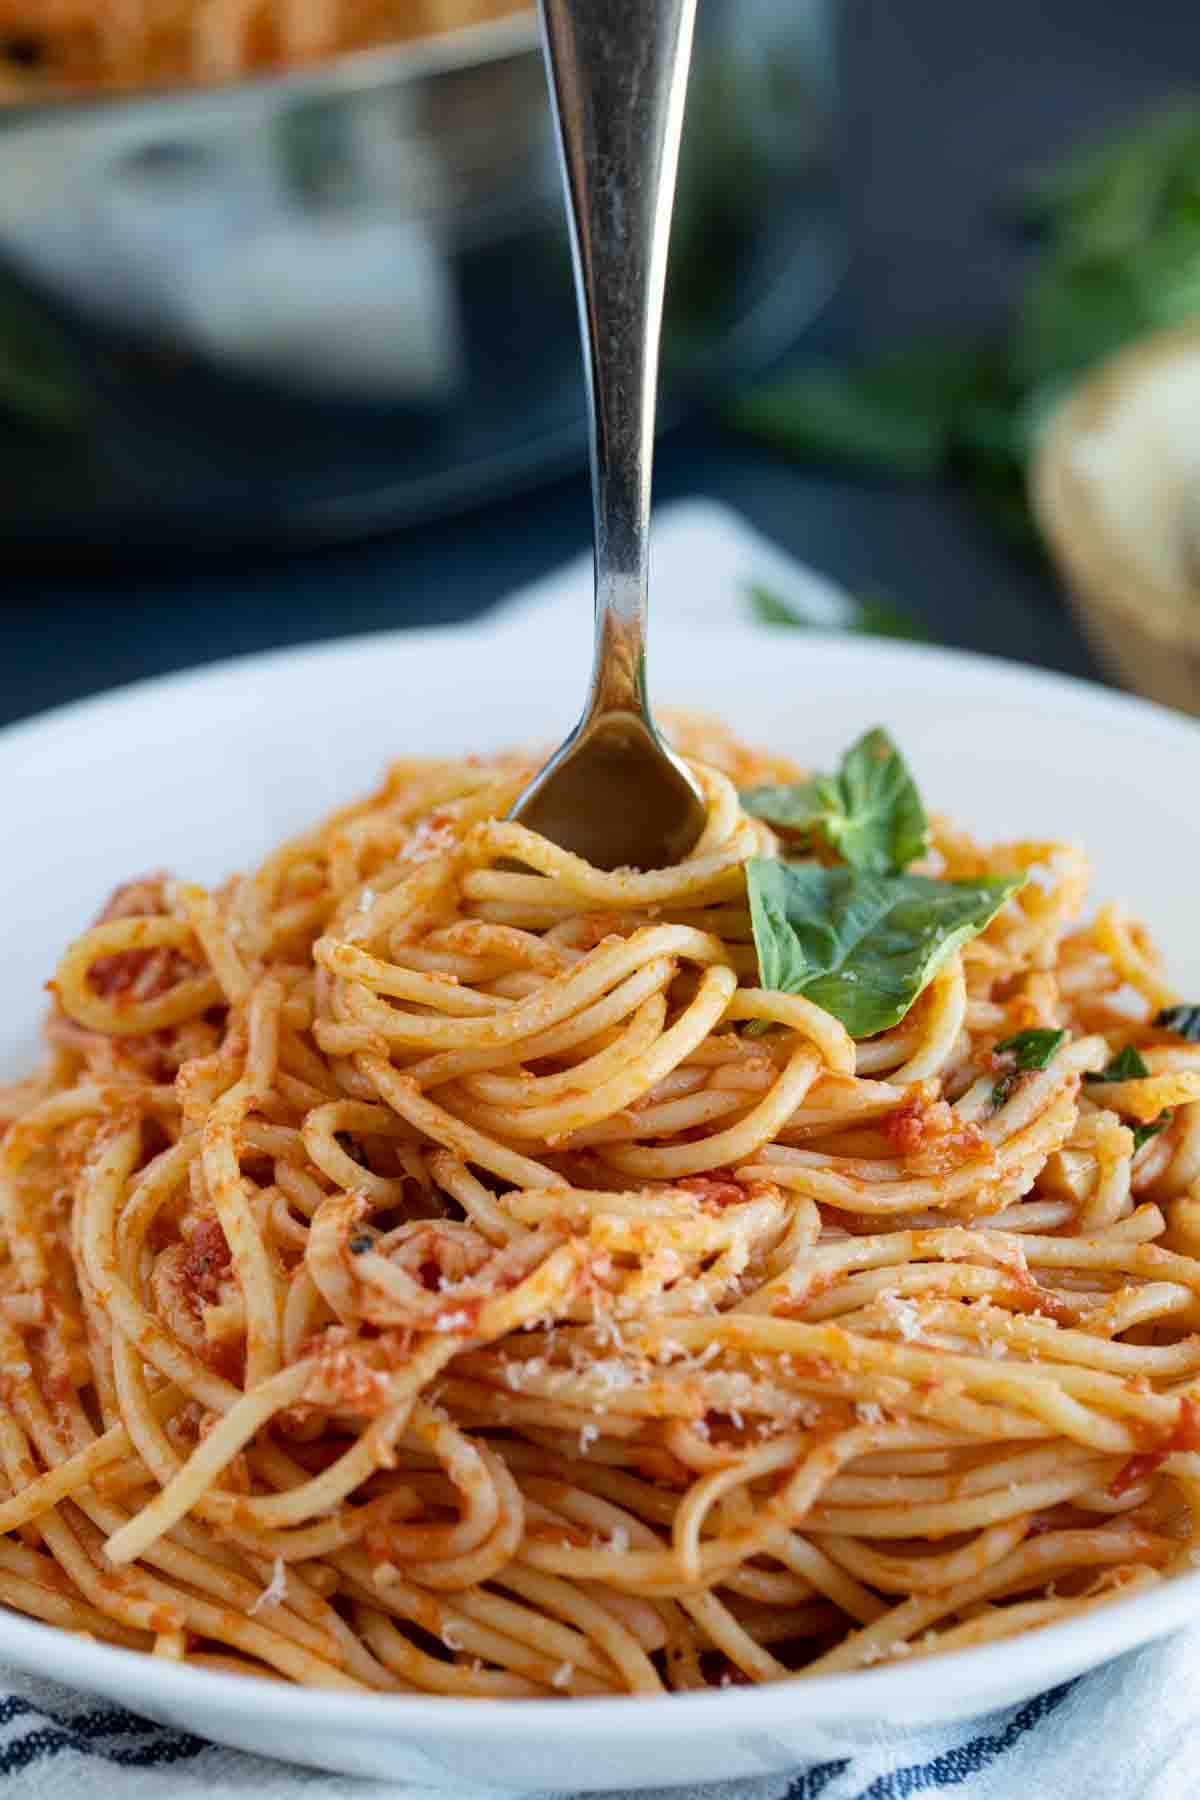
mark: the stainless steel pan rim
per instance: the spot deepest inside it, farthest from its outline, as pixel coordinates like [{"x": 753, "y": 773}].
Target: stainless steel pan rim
[{"x": 352, "y": 71}]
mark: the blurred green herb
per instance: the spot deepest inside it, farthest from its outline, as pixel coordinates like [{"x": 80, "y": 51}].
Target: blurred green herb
[
  {"x": 1183, "y": 1020},
  {"x": 872, "y": 615},
  {"x": 1119, "y": 226},
  {"x": 39, "y": 385}
]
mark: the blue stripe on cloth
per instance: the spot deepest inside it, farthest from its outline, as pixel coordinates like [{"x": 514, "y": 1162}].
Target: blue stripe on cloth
[
  {"x": 812, "y": 1784},
  {"x": 948, "y": 1770},
  {"x": 958, "y": 1765},
  {"x": 83, "y": 1735}
]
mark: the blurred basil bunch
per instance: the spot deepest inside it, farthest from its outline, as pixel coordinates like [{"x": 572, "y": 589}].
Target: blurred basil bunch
[
  {"x": 39, "y": 379},
  {"x": 1120, "y": 232}
]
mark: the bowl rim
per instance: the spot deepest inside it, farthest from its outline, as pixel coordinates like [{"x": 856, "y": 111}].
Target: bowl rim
[
  {"x": 970, "y": 1678},
  {"x": 1104, "y": 575},
  {"x": 1060, "y": 1652}
]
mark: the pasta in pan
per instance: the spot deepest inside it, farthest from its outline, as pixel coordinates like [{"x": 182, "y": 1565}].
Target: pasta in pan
[
  {"x": 86, "y": 45},
  {"x": 435, "y": 1264}
]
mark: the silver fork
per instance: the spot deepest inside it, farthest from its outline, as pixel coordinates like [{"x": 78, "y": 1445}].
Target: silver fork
[{"x": 613, "y": 792}]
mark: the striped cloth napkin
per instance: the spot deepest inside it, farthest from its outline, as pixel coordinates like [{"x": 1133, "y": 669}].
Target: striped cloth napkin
[{"x": 1129, "y": 1731}]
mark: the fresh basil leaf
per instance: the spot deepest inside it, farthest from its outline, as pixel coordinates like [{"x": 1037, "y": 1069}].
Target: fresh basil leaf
[
  {"x": 1143, "y": 1133},
  {"x": 1032, "y": 1049},
  {"x": 1184, "y": 1021},
  {"x": 1028, "y": 1050},
  {"x": 1126, "y": 1065},
  {"x": 869, "y": 813},
  {"x": 881, "y": 826},
  {"x": 797, "y": 806},
  {"x": 862, "y": 946}
]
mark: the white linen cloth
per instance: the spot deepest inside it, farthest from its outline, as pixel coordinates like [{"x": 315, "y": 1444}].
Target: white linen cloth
[{"x": 1129, "y": 1731}]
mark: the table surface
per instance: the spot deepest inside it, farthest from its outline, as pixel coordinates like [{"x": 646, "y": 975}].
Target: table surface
[{"x": 945, "y": 104}]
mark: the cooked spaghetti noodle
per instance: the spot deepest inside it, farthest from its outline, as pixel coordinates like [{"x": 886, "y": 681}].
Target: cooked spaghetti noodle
[
  {"x": 435, "y": 1264},
  {"x": 73, "y": 45}
]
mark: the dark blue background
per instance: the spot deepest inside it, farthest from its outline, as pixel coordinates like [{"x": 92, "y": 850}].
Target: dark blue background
[{"x": 946, "y": 103}]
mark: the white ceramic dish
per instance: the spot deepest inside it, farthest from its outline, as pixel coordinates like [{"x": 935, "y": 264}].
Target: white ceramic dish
[{"x": 203, "y": 772}]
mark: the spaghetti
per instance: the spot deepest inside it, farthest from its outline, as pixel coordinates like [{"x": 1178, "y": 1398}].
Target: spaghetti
[
  {"x": 434, "y": 1264},
  {"x": 69, "y": 46}
]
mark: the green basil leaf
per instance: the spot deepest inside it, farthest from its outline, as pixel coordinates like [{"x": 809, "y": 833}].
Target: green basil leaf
[
  {"x": 1143, "y": 1133},
  {"x": 862, "y": 946},
  {"x": 1184, "y": 1021},
  {"x": 882, "y": 825},
  {"x": 1031, "y": 1049},
  {"x": 798, "y": 806},
  {"x": 869, "y": 813},
  {"x": 1028, "y": 1050},
  {"x": 1126, "y": 1065}
]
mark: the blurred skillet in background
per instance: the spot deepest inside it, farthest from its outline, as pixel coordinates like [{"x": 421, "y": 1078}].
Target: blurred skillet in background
[{"x": 335, "y": 300}]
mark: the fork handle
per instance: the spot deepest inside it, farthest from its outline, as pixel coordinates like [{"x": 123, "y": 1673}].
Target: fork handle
[{"x": 618, "y": 75}]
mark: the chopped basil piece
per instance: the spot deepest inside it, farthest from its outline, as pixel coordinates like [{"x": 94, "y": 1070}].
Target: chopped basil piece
[
  {"x": 1143, "y": 1133},
  {"x": 861, "y": 946},
  {"x": 1184, "y": 1021},
  {"x": 1029, "y": 1050},
  {"x": 1126, "y": 1065},
  {"x": 869, "y": 813},
  {"x": 1032, "y": 1049}
]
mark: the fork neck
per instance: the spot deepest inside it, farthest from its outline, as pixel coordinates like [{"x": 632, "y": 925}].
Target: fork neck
[{"x": 618, "y": 77}]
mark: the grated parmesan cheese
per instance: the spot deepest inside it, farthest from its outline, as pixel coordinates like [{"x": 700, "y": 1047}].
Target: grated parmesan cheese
[
  {"x": 902, "y": 1313},
  {"x": 275, "y": 1592}
]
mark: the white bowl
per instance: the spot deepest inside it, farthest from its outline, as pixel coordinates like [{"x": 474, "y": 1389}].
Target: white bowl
[{"x": 203, "y": 772}]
